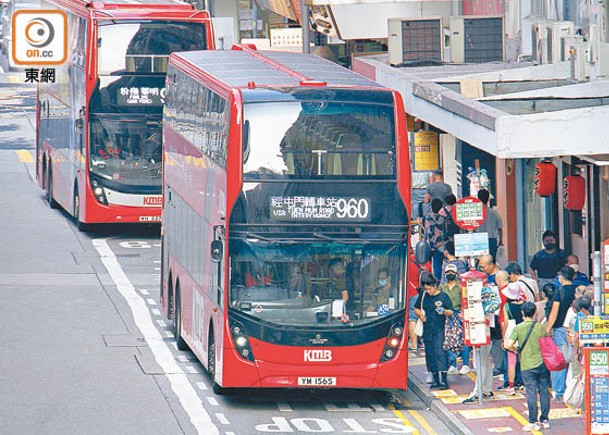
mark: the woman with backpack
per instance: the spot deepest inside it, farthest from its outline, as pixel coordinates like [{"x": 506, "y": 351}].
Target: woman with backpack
[{"x": 512, "y": 316}]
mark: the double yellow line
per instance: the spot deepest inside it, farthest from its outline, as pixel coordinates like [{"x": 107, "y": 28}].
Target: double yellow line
[{"x": 417, "y": 416}]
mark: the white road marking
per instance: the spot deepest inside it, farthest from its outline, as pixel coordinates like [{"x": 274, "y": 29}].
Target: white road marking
[
  {"x": 161, "y": 323},
  {"x": 201, "y": 385},
  {"x": 178, "y": 380},
  {"x": 144, "y": 292},
  {"x": 156, "y": 311},
  {"x": 182, "y": 358},
  {"x": 284, "y": 407},
  {"x": 156, "y": 261},
  {"x": 191, "y": 369},
  {"x": 212, "y": 401},
  {"x": 169, "y": 334},
  {"x": 151, "y": 301},
  {"x": 222, "y": 418},
  {"x": 157, "y": 268}
]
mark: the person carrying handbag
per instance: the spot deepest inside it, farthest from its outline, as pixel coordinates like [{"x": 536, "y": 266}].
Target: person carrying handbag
[
  {"x": 524, "y": 340},
  {"x": 512, "y": 316}
]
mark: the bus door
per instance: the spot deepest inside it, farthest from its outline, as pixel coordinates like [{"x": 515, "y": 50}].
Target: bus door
[{"x": 217, "y": 268}]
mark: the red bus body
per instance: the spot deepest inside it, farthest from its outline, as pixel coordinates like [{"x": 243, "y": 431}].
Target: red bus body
[
  {"x": 221, "y": 106},
  {"x": 84, "y": 112}
]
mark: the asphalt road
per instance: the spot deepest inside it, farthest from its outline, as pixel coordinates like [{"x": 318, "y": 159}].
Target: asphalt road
[{"x": 84, "y": 348}]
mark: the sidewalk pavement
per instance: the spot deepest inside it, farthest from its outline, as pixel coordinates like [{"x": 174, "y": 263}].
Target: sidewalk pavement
[{"x": 502, "y": 414}]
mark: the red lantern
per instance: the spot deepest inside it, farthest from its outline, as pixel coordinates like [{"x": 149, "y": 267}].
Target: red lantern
[
  {"x": 574, "y": 196},
  {"x": 545, "y": 178}
]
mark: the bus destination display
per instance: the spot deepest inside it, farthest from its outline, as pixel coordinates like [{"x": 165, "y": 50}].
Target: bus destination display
[
  {"x": 140, "y": 96},
  {"x": 316, "y": 208}
]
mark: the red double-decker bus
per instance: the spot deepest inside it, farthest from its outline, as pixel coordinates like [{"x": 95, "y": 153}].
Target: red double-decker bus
[
  {"x": 285, "y": 224},
  {"x": 99, "y": 139}
]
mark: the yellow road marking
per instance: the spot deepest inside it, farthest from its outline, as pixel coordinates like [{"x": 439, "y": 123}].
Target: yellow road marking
[
  {"x": 520, "y": 418},
  {"x": 404, "y": 420},
  {"x": 14, "y": 79},
  {"x": 419, "y": 418},
  {"x": 472, "y": 376},
  {"x": 25, "y": 156},
  {"x": 483, "y": 413}
]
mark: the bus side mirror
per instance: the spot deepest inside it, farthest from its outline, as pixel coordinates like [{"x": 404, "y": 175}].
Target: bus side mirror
[
  {"x": 422, "y": 252},
  {"x": 216, "y": 251}
]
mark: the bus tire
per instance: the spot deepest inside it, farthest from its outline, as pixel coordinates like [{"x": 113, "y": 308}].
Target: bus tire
[
  {"x": 76, "y": 212},
  {"x": 48, "y": 188},
  {"x": 177, "y": 322},
  {"x": 211, "y": 363}
]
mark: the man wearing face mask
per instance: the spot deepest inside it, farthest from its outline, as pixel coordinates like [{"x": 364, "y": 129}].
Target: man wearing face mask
[
  {"x": 580, "y": 278},
  {"x": 384, "y": 295},
  {"x": 453, "y": 290},
  {"x": 547, "y": 262}
]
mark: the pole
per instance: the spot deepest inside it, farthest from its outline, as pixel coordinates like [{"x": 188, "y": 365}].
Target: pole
[
  {"x": 306, "y": 45},
  {"x": 597, "y": 279},
  {"x": 478, "y": 359}
]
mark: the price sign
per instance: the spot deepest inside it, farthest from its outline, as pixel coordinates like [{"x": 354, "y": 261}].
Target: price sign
[
  {"x": 597, "y": 390},
  {"x": 319, "y": 209},
  {"x": 469, "y": 213}
]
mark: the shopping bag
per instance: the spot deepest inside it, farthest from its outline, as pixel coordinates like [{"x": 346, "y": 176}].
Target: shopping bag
[
  {"x": 574, "y": 393},
  {"x": 418, "y": 328},
  {"x": 453, "y": 334},
  {"x": 552, "y": 355}
]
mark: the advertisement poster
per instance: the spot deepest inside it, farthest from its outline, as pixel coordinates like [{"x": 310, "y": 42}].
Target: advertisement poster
[{"x": 426, "y": 151}]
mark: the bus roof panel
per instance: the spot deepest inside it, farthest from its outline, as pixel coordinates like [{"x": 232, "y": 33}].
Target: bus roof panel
[{"x": 237, "y": 68}]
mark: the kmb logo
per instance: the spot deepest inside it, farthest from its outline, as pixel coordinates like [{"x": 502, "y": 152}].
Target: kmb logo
[
  {"x": 153, "y": 200},
  {"x": 317, "y": 355},
  {"x": 40, "y": 37}
]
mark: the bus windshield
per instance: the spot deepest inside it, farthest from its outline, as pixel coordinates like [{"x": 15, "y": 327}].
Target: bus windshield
[
  {"x": 316, "y": 283},
  {"x": 144, "y": 48},
  {"x": 318, "y": 139},
  {"x": 126, "y": 150}
]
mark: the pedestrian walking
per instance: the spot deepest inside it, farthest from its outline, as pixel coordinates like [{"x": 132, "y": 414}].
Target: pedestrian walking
[
  {"x": 563, "y": 298},
  {"x": 524, "y": 340},
  {"x": 546, "y": 262},
  {"x": 512, "y": 316},
  {"x": 450, "y": 226},
  {"x": 450, "y": 259},
  {"x": 435, "y": 236},
  {"x": 453, "y": 289},
  {"x": 529, "y": 285},
  {"x": 432, "y": 307},
  {"x": 438, "y": 189},
  {"x": 580, "y": 278}
]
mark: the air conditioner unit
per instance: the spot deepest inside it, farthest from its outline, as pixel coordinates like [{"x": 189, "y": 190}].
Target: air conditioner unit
[
  {"x": 555, "y": 32},
  {"x": 567, "y": 43},
  {"x": 411, "y": 39},
  {"x": 477, "y": 39},
  {"x": 578, "y": 56},
  {"x": 593, "y": 39},
  {"x": 539, "y": 42}
]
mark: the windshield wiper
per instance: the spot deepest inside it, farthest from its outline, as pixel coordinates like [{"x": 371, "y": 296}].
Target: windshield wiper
[{"x": 323, "y": 236}]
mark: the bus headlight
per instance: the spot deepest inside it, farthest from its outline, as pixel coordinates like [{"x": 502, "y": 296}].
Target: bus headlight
[
  {"x": 242, "y": 344},
  {"x": 393, "y": 341}
]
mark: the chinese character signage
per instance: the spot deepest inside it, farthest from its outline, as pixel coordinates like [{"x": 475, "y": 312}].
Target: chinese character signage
[
  {"x": 469, "y": 213},
  {"x": 40, "y": 37},
  {"x": 141, "y": 96},
  {"x": 319, "y": 209},
  {"x": 594, "y": 329},
  {"x": 426, "y": 151},
  {"x": 596, "y": 397}
]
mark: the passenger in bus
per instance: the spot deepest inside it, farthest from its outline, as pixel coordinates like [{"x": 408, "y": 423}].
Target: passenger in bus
[
  {"x": 257, "y": 274},
  {"x": 383, "y": 300}
]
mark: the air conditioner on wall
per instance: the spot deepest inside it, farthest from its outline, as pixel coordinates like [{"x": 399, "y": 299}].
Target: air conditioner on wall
[
  {"x": 477, "y": 39},
  {"x": 412, "y": 39},
  {"x": 539, "y": 42},
  {"x": 556, "y": 31},
  {"x": 578, "y": 54}
]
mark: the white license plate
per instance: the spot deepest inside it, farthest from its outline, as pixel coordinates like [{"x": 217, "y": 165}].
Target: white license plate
[
  {"x": 150, "y": 218},
  {"x": 316, "y": 382}
]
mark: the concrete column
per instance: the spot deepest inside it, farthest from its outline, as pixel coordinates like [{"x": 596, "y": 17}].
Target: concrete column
[{"x": 505, "y": 196}]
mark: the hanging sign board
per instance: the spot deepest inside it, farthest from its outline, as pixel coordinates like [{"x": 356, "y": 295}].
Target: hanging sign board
[
  {"x": 426, "y": 151},
  {"x": 471, "y": 244},
  {"x": 594, "y": 329},
  {"x": 596, "y": 395}
]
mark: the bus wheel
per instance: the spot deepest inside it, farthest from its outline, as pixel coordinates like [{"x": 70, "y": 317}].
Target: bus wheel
[
  {"x": 49, "y": 188},
  {"x": 211, "y": 363},
  {"x": 76, "y": 212},
  {"x": 177, "y": 322}
]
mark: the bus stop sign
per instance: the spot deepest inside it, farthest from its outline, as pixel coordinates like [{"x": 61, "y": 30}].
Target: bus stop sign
[{"x": 469, "y": 213}]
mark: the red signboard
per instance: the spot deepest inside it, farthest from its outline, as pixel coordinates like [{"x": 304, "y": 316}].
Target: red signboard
[{"x": 469, "y": 213}]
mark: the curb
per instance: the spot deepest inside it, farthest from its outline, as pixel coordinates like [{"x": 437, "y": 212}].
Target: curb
[{"x": 455, "y": 425}]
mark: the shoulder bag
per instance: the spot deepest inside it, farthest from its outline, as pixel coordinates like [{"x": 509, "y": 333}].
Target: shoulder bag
[
  {"x": 524, "y": 343},
  {"x": 552, "y": 355},
  {"x": 418, "y": 328}
]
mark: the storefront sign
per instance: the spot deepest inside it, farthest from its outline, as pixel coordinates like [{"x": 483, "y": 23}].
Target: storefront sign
[
  {"x": 426, "y": 151},
  {"x": 471, "y": 244},
  {"x": 594, "y": 329},
  {"x": 469, "y": 213},
  {"x": 310, "y": 208},
  {"x": 596, "y": 390}
]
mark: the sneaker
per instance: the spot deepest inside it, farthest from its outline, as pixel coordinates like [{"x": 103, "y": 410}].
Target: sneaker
[
  {"x": 497, "y": 373},
  {"x": 464, "y": 370},
  {"x": 452, "y": 370},
  {"x": 531, "y": 427},
  {"x": 510, "y": 391},
  {"x": 471, "y": 399},
  {"x": 545, "y": 424},
  {"x": 489, "y": 395},
  {"x": 503, "y": 388}
]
